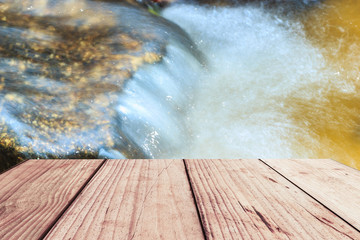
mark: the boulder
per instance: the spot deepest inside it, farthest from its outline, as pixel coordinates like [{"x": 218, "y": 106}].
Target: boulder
[{"x": 63, "y": 65}]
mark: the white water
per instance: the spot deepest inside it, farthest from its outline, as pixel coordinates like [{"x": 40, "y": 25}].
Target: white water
[
  {"x": 258, "y": 63},
  {"x": 154, "y": 101},
  {"x": 271, "y": 87},
  {"x": 265, "y": 91}
]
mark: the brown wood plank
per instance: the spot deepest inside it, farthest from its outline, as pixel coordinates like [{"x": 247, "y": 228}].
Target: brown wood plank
[
  {"x": 133, "y": 199},
  {"x": 335, "y": 185},
  {"x": 33, "y": 194},
  {"x": 245, "y": 199}
]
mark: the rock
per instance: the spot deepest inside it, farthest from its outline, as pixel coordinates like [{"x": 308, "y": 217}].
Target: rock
[{"x": 63, "y": 65}]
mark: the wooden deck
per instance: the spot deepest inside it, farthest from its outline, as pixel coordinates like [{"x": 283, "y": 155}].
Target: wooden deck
[{"x": 180, "y": 199}]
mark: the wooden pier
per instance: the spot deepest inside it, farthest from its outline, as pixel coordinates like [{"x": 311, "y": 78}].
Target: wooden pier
[{"x": 180, "y": 199}]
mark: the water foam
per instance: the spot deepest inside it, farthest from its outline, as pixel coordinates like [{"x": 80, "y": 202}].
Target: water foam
[
  {"x": 260, "y": 69},
  {"x": 153, "y": 103}
]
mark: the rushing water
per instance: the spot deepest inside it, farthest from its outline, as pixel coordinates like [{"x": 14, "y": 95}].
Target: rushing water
[
  {"x": 242, "y": 81},
  {"x": 276, "y": 85},
  {"x": 91, "y": 79}
]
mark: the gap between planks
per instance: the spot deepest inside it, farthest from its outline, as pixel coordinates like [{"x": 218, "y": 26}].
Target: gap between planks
[
  {"x": 196, "y": 204},
  {"x": 341, "y": 213},
  {"x": 53, "y": 225},
  {"x": 72, "y": 200},
  {"x": 186, "y": 169},
  {"x": 28, "y": 203},
  {"x": 194, "y": 198},
  {"x": 131, "y": 195},
  {"x": 218, "y": 219}
]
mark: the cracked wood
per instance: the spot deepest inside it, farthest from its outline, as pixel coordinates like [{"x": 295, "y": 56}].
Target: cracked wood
[
  {"x": 133, "y": 199},
  {"x": 332, "y": 183},
  {"x": 34, "y": 194},
  {"x": 245, "y": 199}
]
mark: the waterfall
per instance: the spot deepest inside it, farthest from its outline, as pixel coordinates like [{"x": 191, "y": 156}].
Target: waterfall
[
  {"x": 92, "y": 79},
  {"x": 96, "y": 79},
  {"x": 268, "y": 89},
  {"x": 257, "y": 63},
  {"x": 153, "y": 104}
]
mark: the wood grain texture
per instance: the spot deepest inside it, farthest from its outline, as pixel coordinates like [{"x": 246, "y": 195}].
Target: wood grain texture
[
  {"x": 245, "y": 199},
  {"x": 33, "y": 194},
  {"x": 335, "y": 185},
  {"x": 133, "y": 199}
]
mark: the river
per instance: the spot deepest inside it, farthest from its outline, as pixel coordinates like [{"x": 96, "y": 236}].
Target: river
[
  {"x": 278, "y": 84},
  {"x": 100, "y": 79}
]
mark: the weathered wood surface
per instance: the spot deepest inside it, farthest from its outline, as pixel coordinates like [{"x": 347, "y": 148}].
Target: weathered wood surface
[
  {"x": 152, "y": 199},
  {"x": 34, "y": 194},
  {"x": 335, "y": 185},
  {"x": 133, "y": 199},
  {"x": 245, "y": 199}
]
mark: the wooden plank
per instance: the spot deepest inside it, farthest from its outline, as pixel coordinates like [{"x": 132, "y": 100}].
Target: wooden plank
[
  {"x": 245, "y": 199},
  {"x": 335, "y": 185},
  {"x": 133, "y": 199},
  {"x": 33, "y": 194}
]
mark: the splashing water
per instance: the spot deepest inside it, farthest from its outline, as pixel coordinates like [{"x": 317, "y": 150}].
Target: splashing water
[
  {"x": 91, "y": 79},
  {"x": 107, "y": 79},
  {"x": 269, "y": 90}
]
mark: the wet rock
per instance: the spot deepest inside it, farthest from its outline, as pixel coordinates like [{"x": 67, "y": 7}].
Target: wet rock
[{"x": 62, "y": 67}]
